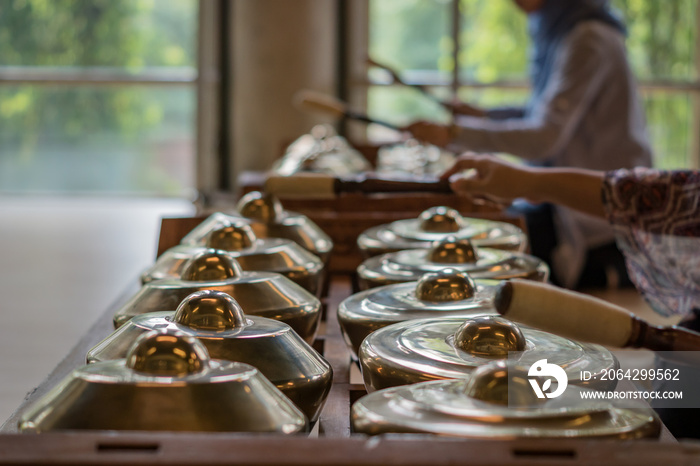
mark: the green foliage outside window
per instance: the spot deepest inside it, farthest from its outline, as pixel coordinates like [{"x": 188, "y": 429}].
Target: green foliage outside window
[
  {"x": 122, "y": 33},
  {"x": 94, "y": 123}
]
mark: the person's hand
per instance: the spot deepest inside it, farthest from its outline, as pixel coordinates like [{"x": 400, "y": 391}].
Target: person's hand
[
  {"x": 432, "y": 133},
  {"x": 461, "y": 108},
  {"x": 489, "y": 178}
]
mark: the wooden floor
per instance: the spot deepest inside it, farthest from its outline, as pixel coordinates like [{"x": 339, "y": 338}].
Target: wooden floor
[{"x": 62, "y": 262}]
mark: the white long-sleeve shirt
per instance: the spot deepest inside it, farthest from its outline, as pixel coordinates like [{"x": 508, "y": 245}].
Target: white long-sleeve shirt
[{"x": 588, "y": 116}]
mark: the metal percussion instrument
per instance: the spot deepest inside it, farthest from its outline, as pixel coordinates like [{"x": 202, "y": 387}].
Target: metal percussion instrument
[
  {"x": 412, "y": 156},
  {"x": 218, "y": 321},
  {"x": 452, "y": 347},
  {"x": 235, "y": 236},
  {"x": 270, "y": 220},
  {"x": 447, "y": 292},
  {"x": 264, "y": 294},
  {"x": 435, "y": 224},
  {"x": 497, "y": 402},
  {"x": 321, "y": 151},
  {"x": 461, "y": 254},
  {"x": 167, "y": 382}
]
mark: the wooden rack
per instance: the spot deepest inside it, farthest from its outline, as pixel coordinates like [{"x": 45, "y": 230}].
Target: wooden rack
[{"x": 335, "y": 443}]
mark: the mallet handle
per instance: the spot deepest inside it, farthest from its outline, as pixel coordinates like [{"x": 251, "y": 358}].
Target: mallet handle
[
  {"x": 320, "y": 186},
  {"x": 372, "y": 184},
  {"x": 585, "y": 318}
]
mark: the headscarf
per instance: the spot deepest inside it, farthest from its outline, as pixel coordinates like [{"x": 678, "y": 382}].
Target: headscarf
[{"x": 549, "y": 25}]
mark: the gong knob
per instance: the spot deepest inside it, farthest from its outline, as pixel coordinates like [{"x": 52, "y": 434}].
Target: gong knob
[
  {"x": 167, "y": 354},
  {"x": 208, "y": 266},
  {"x": 234, "y": 237},
  {"x": 445, "y": 285},
  {"x": 265, "y": 208},
  {"x": 453, "y": 251},
  {"x": 489, "y": 337},
  {"x": 210, "y": 310},
  {"x": 501, "y": 383},
  {"x": 441, "y": 220}
]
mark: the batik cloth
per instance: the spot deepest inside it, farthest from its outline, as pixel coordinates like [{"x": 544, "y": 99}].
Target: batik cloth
[{"x": 656, "y": 218}]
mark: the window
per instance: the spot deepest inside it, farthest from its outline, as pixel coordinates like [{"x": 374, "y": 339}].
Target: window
[
  {"x": 423, "y": 39},
  {"x": 98, "y": 96}
]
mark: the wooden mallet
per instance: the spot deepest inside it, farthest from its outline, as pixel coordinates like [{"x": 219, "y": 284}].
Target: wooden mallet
[
  {"x": 316, "y": 102},
  {"x": 398, "y": 80},
  {"x": 585, "y": 318},
  {"x": 320, "y": 186}
]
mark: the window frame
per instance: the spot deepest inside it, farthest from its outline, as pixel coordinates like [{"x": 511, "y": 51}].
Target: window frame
[{"x": 205, "y": 78}]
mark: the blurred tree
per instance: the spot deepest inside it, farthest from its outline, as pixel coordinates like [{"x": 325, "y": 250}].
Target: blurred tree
[
  {"x": 661, "y": 45},
  {"x": 494, "y": 41},
  {"x": 93, "y": 37},
  {"x": 89, "y": 33},
  {"x": 410, "y": 34}
]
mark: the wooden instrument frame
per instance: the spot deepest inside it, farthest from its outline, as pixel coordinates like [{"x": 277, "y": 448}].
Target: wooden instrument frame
[{"x": 335, "y": 443}]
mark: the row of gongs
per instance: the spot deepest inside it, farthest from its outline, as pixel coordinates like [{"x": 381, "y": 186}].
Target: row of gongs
[{"x": 231, "y": 291}]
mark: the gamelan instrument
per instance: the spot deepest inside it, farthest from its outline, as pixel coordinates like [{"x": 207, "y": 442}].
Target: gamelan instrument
[
  {"x": 459, "y": 254},
  {"x": 236, "y": 237},
  {"x": 435, "y": 224},
  {"x": 497, "y": 402},
  {"x": 219, "y": 322},
  {"x": 322, "y": 150},
  {"x": 410, "y": 157},
  {"x": 453, "y": 347},
  {"x": 167, "y": 382},
  {"x": 447, "y": 292},
  {"x": 270, "y": 220},
  {"x": 264, "y": 294}
]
